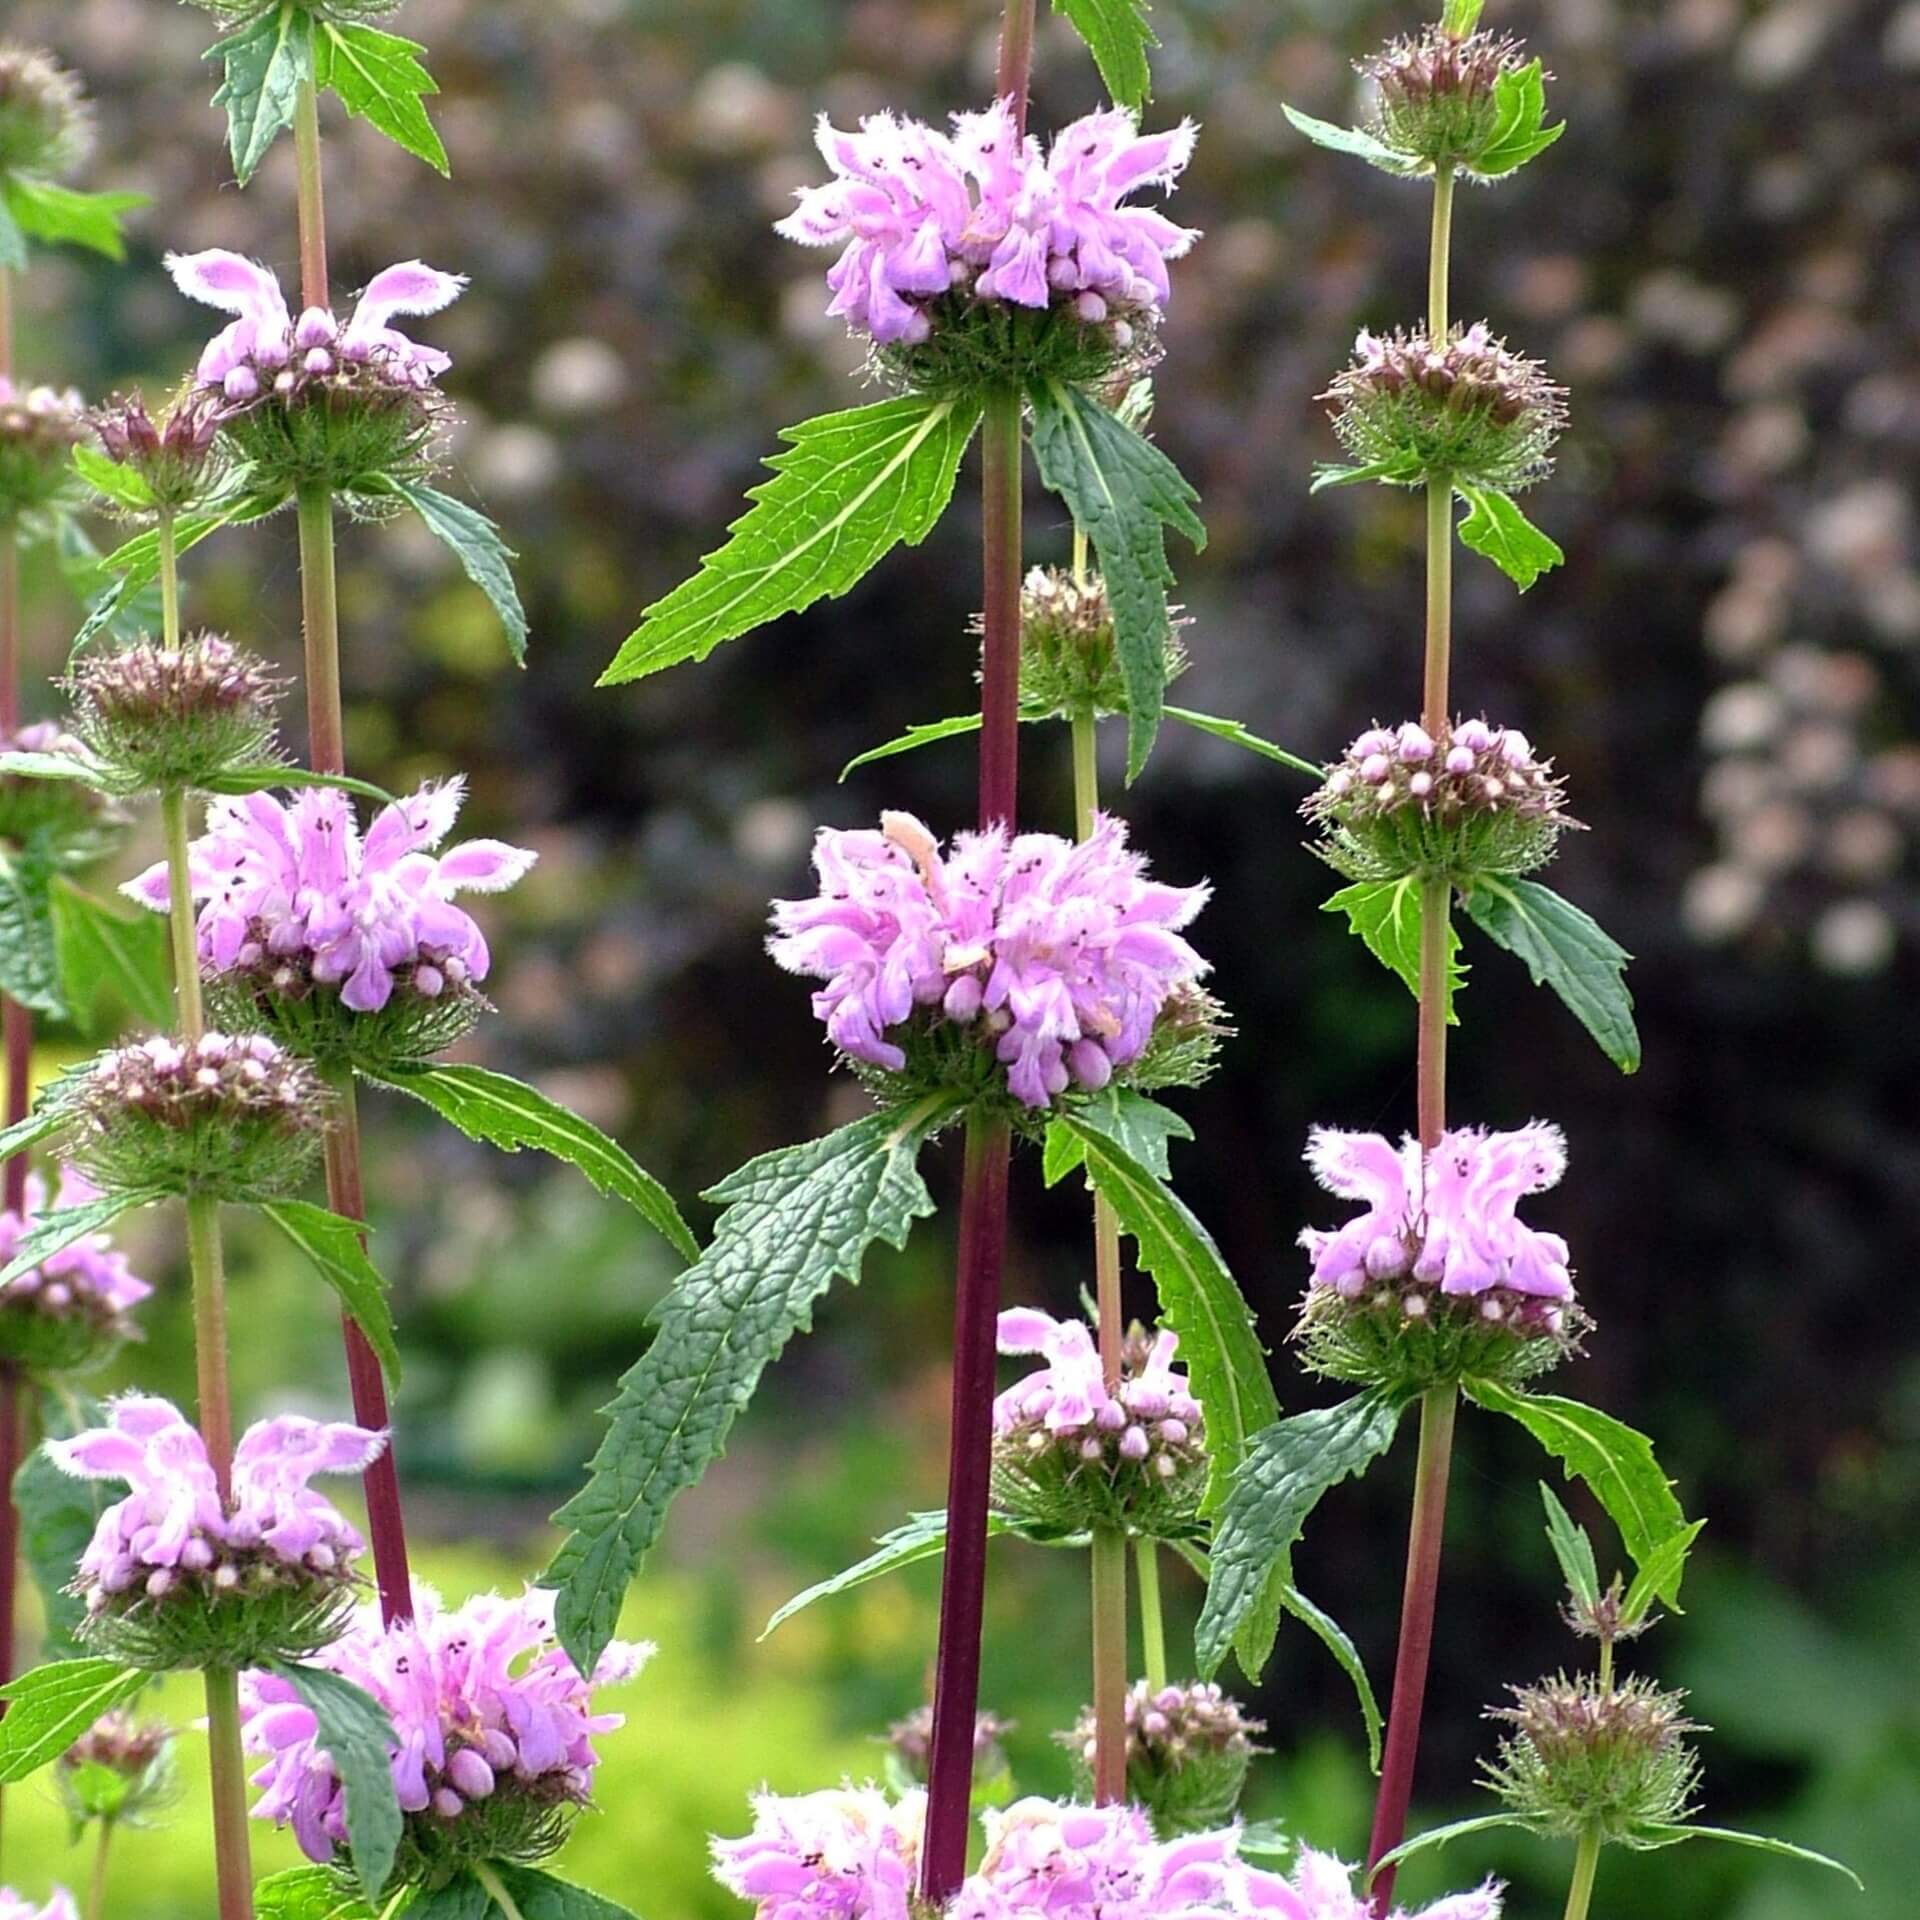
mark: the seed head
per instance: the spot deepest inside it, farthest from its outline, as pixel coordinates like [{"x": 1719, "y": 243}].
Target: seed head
[
  {"x": 1068, "y": 664},
  {"x": 1188, "y": 1751},
  {"x": 1436, "y": 94},
  {"x": 911, "y": 1741}
]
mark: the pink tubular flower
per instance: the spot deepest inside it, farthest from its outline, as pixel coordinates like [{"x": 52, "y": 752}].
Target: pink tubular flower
[
  {"x": 842, "y": 1854},
  {"x": 1450, "y": 1222},
  {"x": 1321, "y": 1888},
  {"x": 296, "y": 896},
  {"x": 918, "y": 213},
  {"x": 173, "y": 1530},
  {"x": 1063, "y": 953},
  {"x": 1153, "y": 1412},
  {"x": 86, "y": 1280},
  {"x": 485, "y": 1706},
  {"x": 266, "y": 350},
  {"x": 16, "y": 1906}
]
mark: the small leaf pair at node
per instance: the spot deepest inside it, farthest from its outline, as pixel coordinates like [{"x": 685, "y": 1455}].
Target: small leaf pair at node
[
  {"x": 73, "y": 1311},
  {"x": 1189, "y": 1748}
]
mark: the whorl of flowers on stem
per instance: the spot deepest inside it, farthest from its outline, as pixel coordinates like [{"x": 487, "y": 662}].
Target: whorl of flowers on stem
[
  {"x": 16, "y": 1906},
  {"x": 1585, "y": 1755},
  {"x": 175, "y": 1577},
  {"x": 1468, "y": 410},
  {"x": 1049, "y": 959},
  {"x": 910, "y": 1744},
  {"x": 39, "y": 429},
  {"x": 975, "y": 259},
  {"x": 121, "y": 1769},
  {"x": 1188, "y": 1751},
  {"x": 494, "y": 1731},
  {"x": 1474, "y": 800},
  {"x": 1435, "y": 94},
  {"x": 233, "y": 1116},
  {"x": 176, "y": 458},
  {"x": 347, "y": 946},
  {"x": 156, "y": 716},
  {"x": 1438, "y": 1277},
  {"x": 46, "y": 121},
  {"x": 1068, "y": 662},
  {"x": 66, "y": 821},
  {"x": 72, "y": 1311},
  {"x": 1069, "y": 1455},
  {"x": 307, "y": 400}
]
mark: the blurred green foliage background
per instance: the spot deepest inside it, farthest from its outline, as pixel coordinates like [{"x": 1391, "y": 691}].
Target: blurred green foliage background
[{"x": 1722, "y": 259}]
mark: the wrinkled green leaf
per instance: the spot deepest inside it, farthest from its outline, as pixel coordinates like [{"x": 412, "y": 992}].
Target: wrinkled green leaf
[
  {"x": 506, "y": 1113},
  {"x": 379, "y": 78},
  {"x": 110, "y": 956},
  {"x": 122, "y": 485},
  {"x": 332, "y": 1246},
  {"x": 356, "y": 1734},
  {"x": 1565, "y": 949},
  {"x": 1287, "y": 1468},
  {"x": 1497, "y": 528},
  {"x": 59, "y": 216},
  {"x": 126, "y": 615},
  {"x": 1387, "y": 915},
  {"x": 849, "y": 488},
  {"x": 484, "y": 557},
  {"x": 1139, "y": 1126},
  {"x": 1353, "y": 140},
  {"x": 53, "y": 1232},
  {"x": 794, "y": 1222},
  {"x": 51, "y": 1707},
  {"x": 538, "y": 1896},
  {"x": 1124, "y": 493},
  {"x": 42, "y": 1122},
  {"x": 310, "y": 1893},
  {"x": 1120, "y": 40},
  {"x": 1236, "y": 733},
  {"x": 29, "y": 963},
  {"x": 1613, "y": 1459},
  {"x": 1659, "y": 1572},
  {"x": 1573, "y": 1549},
  {"x": 265, "y": 64},
  {"x": 1520, "y": 105},
  {"x": 1651, "y": 1836},
  {"x": 57, "y": 1517}
]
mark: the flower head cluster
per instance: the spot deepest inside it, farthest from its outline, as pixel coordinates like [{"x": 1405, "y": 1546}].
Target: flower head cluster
[
  {"x": 1188, "y": 1751},
  {"x": 307, "y": 399},
  {"x": 175, "y": 1573},
  {"x": 121, "y": 1769},
  {"x": 1583, "y": 1753},
  {"x": 16, "y": 1906},
  {"x": 978, "y": 243},
  {"x": 73, "y": 1309},
  {"x": 343, "y": 942},
  {"x": 62, "y": 818},
  {"x": 174, "y": 459},
  {"x": 46, "y": 123},
  {"x": 1061, "y": 957},
  {"x": 850, "y": 1854},
  {"x": 1439, "y": 1269},
  {"x": 345, "y": 11},
  {"x": 911, "y": 1743},
  {"x": 1468, "y": 410},
  {"x": 494, "y": 1731},
  {"x": 1069, "y": 1454},
  {"x": 1069, "y": 665},
  {"x": 39, "y": 429},
  {"x": 1435, "y": 93},
  {"x": 1474, "y": 800},
  {"x": 158, "y": 716},
  {"x": 234, "y": 1115}
]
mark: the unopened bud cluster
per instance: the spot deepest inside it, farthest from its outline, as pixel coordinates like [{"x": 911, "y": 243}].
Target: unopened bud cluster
[
  {"x": 1467, "y": 410},
  {"x": 39, "y": 429},
  {"x": 233, "y": 1116},
  {"x": 120, "y": 1770},
  {"x": 63, "y": 819},
  {"x": 1069, "y": 1453},
  {"x": 1068, "y": 663},
  {"x": 1188, "y": 1751},
  {"x": 46, "y": 125},
  {"x": 1585, "y": 1755},
  {"x": 158, "y": 716},
  {"x": 911, "y": 1743},
  {"x": 1475, "y": 799},
  {"x": 74, "y": 1309},
  {"x": 175, "y": 458},
  {"x": 1435, "y": 94}
]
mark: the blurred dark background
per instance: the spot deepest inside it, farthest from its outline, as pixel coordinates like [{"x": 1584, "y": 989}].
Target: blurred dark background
[{"x": 1722, "y": 260}]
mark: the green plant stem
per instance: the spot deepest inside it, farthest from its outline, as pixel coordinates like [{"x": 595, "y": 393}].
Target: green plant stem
[
  {"x": 233, "y": 1859},
  {"x": 165, "y": 533},
  {"x": 1606, "y": 1666},
  {"x": 1586, "y": 1867},
  {"x": 1153, "y": 1626},
  {"x": 320, "y": 622},
  {"x": 1016, "y": 58},
  {"x": 97, "y": 1887},
  {"x": 1109, "y": 1556},
  {"x": 180, "y": 927},
  {"x": 1437, "y": 1409},
  {"x": 209, "y": 1268},
  {"x": 311, "y": 190},
  {"x": 1440, "y": 256},
  {"x": 497, "y": 1891}
]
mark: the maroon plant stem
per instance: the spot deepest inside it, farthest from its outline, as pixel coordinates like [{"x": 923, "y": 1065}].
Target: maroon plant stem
[
  {"x": 1000, "y": 457},
  {"x": 956, "y": 1687}
]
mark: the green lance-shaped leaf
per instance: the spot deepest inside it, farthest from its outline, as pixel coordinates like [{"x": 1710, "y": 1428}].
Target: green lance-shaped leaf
[
  {"x": 41, "y": 1124},
  {"x": 475, "y": 542},
  {"x": 58, "y": 216},
  {"x": 123, "y": 486},
  {"x": 330, "y": 1244},
  {"x": 1124, "y": 493},
  {"x": 356, "y": 1734},
  {"x": 109, "y": 955},
  {"x": 1497, "y": 528},
  {"x": 314, "y": 1893},
  {"x": 1659, "y": 1572},
  {"x": 1648, "y": 1837},
  {"x": 1520, "y": 108},
  {"x": 1386, "y": 914},
  {"x": 265, "y": 64},
  {"x": 461, "y": 1899},
  {"x": 1454, "y": 1830},
  {"x": 29, "y": 959},
  {"x": 379, "y": 78},
  {"x": 261, "y": 776},
  {"x": 850, "y": 488},
  {"x": 1199, "y": 1299},
  {"x": 57, "y": 1517},
  {"x": 1573, "y": 1549},
  {"x": 1355, "y": 141},
  {"x": 1331, "y": 1635},
  {"x": 1614, "y": 1460},
  {"x": 1237, "y": 733},
  {"x": 54, "y": 1232},
  {"x": 51, "y": 1707},
  {"x": 794, "y": 1222},
  {"x": 1287, "y": 1468},
  {"x": 1565, "y": 949},
  {"x": 535, "y": 1896},
  {"x": 1119, "y": 38},
  {"x": 506, "y": 1113}
]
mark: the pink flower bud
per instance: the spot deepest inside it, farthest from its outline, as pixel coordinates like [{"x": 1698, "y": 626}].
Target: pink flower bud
[
  {"x": 1134, "y": 1444},
  {"x": 470, "y": 1773},
  {"x": 447, "y": 1804}
]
